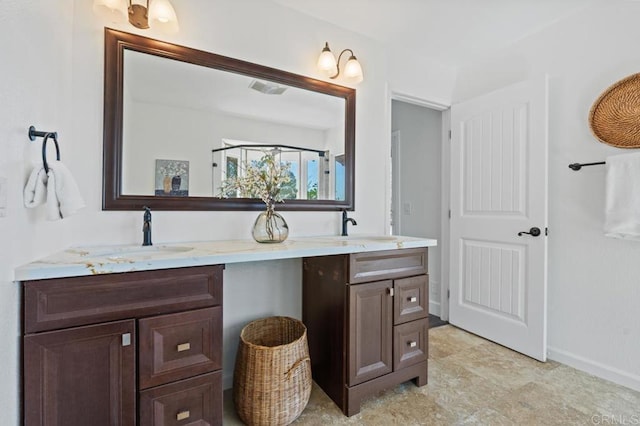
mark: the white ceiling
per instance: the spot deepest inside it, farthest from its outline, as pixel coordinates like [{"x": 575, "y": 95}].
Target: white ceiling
[{"x": 449, "y": 31}]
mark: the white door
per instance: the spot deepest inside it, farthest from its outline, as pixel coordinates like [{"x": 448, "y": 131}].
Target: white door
[{"x": 499, "y": 190}]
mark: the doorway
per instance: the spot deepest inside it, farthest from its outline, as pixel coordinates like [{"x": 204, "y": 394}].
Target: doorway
[{"x": 416, "y": 182}]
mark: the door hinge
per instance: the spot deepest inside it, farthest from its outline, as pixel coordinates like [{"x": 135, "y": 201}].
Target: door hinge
[
  {"x": 449, "y": 134},
  {"x": 448, "y": 294},
  {"x": 546, "y": 231},
  {"x": 449, "y": 213}
]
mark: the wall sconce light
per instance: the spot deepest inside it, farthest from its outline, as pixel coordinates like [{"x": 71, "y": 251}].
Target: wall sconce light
[
  {"x": 328, "y": 64},
  {"x": 156, "y": 13}
]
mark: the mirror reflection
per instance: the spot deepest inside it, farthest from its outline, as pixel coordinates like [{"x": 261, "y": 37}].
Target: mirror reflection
[
  {"x": 179, "y": 121},
  {"x": 186, "y": 128}
]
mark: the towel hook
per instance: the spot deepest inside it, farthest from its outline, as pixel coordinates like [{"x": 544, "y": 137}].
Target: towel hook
[{"x": 33, "y": 134}]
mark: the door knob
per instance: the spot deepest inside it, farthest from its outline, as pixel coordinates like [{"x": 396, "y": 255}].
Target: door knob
[{"x": 534, "y": 232}]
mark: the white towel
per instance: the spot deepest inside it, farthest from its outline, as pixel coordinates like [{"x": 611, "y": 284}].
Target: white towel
[
  {"x": 622, "y": 206},
  {"x": 35, "y": 191},
  {"x": 63, "y": 195},
  {"x": 57, "y": 189}
]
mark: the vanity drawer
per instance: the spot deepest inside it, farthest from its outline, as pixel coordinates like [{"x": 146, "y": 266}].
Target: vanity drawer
[
  {"x": 66, "y": 302},
  {"x": 195, "y": 401},
  {"x": 411, "y": 299},
  {"x": 410, "y": 343},
  {"x": 382, "y": 265},
  {"x": 177, "y": 346}
]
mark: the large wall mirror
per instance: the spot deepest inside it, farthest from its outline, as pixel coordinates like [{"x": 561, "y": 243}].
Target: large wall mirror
[{"x": 178, "y": 121}]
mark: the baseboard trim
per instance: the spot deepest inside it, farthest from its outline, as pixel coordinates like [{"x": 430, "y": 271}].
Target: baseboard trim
[
  {"x": 595, "y": 368},
  {"x": 434, "y": 308}
]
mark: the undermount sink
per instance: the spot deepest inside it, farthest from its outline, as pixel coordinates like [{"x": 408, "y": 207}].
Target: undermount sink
[
  {"x": 115, "y": 253},
  {"x": 367, "y": 238},
  {"x": 381, "y": 238}
]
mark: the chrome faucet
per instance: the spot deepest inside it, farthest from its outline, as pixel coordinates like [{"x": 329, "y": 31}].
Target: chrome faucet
[
  {"x": 146, "y": 227},
  {"x": 346, "y": 220}
]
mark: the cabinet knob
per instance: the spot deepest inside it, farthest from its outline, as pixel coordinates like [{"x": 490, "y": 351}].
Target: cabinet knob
[
  {"x": 390, "y": 290},
  {"x": 126, "y": 339},
  {"x": 184, "y": 347},
  {"x": 412, "y": 344},
  {"x": 413, "y": 299},
  {"x": 183, "y": 415}
]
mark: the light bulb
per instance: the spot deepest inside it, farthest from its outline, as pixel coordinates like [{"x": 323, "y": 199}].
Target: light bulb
[
  {"x": 112, "y": 10},
  {"x": 163, "y": 15},
  {"x": 326, "y": 61},
  {"x": 353, "y": 70}
]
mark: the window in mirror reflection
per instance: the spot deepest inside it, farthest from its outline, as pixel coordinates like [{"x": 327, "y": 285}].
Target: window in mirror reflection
[
  {"x": 231, "y": 172},
  {"x": 311, "y": 178},
  {"x": 339, "y": 173}
]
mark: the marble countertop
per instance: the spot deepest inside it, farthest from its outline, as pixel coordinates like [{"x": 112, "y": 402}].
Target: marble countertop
[{"x": 81, "y": 261}]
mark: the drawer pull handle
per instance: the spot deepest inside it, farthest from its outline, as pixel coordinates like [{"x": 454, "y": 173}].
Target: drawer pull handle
[
  {"x": 184, "y": 347},
  {"x": 183, "y": 415},
  {"x": 413, "y": 344},
  {"x": 413, "y": 299}
]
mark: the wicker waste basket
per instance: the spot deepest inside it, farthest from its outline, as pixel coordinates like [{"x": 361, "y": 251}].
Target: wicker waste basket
[{"x": 272, "y": 376}]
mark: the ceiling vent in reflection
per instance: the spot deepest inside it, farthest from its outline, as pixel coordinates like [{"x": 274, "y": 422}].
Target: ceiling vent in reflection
[{"x": 267, "y": 87}]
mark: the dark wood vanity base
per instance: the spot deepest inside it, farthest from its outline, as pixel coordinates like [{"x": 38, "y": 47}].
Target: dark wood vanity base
[
  {"x": 356, "y": 394},
  {"x": 124, "y": 349},
  {"x": 366, "y": 316}
]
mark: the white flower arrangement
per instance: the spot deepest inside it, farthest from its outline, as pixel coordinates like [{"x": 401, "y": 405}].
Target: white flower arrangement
[{"x": 262, "y": 179}]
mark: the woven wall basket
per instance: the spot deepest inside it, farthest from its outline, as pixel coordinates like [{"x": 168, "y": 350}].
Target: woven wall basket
[
  {"x": 272, "y": 376},
  {"x": 614, "y": 118}
]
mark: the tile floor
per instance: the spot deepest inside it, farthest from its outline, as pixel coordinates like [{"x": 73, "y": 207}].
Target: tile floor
[{"x": 474, "y": 381}]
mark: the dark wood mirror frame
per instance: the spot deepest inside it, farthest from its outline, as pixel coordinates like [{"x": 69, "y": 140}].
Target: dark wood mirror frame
[{"x": 116, "y": 42}]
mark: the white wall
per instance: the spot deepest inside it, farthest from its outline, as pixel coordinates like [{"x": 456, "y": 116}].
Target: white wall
[
  {"x": 35, "y": 88},
  {"x": 594, "y": 285},
  {"x": 175, "y": 133},
  {"x": 52, "y": 77},
  {"x": 419, "y": 172}
]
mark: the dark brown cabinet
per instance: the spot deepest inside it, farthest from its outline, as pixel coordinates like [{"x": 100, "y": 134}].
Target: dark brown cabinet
[
  {"x": 81, "y": 373},
  {"x": 370, "y": 331},
  {"x": 124, "y": 349},
  {"x": 366, "y": 316}
]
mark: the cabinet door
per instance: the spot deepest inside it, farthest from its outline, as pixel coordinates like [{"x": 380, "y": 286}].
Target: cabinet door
[
  {"x": 370, "y": 331},
  {"x": 80, "y": 376}
]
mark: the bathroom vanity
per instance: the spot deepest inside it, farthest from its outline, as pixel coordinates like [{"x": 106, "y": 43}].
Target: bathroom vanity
[
  {"x": 133, "y": 335},
  {"x": 366, "y": 316},
  {"x": 97, "y": 347}
]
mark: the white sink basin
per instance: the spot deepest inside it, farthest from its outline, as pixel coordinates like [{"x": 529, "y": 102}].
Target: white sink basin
[
  {"x": 366, "y": 238},
  {"x": 380, "y": 238},
  {"x": 125, "y": 252}
]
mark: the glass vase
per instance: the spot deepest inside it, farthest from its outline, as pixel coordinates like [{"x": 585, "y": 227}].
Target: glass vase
[{"x": 270, "y": 227}]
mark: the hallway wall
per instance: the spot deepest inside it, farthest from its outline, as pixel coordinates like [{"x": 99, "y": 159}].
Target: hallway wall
[{"x": 420, "y": 181}]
